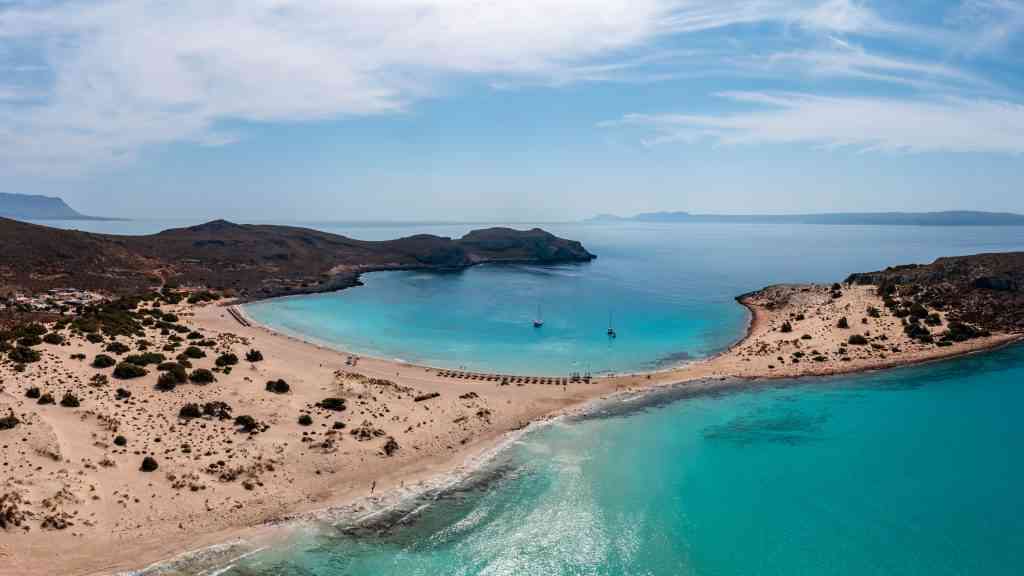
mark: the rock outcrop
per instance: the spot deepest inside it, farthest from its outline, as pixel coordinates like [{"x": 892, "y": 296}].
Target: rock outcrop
[{"x": 985, "y": 290}]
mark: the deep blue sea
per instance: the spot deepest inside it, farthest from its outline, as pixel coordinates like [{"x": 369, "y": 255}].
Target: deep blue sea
[{"x": 913, "y": 471}]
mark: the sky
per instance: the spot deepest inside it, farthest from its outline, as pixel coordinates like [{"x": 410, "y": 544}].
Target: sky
[{"x": 525, "y": 110}]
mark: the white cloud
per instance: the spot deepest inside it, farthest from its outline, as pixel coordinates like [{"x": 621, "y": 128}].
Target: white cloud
[
  {"x": 845, "y": 59},
  {"x": 124, "y": 74},
  {"x": 946, "y": 125},
  {"x": 988, "y": 25},
  {"x": 110, "y": 77}
]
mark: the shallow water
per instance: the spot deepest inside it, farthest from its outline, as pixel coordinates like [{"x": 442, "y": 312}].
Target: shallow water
[
  {"x": 912, "y": 471},
  {"x": 669, "y": 290},
  {"x": 909, "y": 471}
]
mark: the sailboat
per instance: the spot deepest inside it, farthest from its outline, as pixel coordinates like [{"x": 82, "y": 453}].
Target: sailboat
[
  {"x": 539, "y": 320},
  {"x": 611, "y": 329}
]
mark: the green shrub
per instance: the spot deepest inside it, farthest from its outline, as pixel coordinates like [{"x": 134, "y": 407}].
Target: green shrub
[
  {"x": 53, "y": 338},
  {"x": 166, "y": 382},
  {"x": 94, "y": 338},
  {"x": 203, "y": 296},
  {"x": 103, "y": 361},
  {"x": 127, "y": 371},
  {"x": 278, "y": 386},
  {"x": 857, "y": 340},
  {"x": 116, "y": 347},
  {"x": 145, "y": 359},
  {"x": 194, "y": 352},
  {"x": 201, "y": 376},
  {"x": 843, "y": 323},
  {"x": 217, "y": 409},
  {"x": 335, "y": 404},
  {"x": 10, "y": 422},
  {"x": 786, "y": 327},
  {"x": 226, "y": 359},
  {"x": 30, "y": 340},
  {"x": 960, "y": 332},
  {"x": 24, "y": 355},
  {"x": 253, "y": 356},
  {"x": 246, "y": 423},
  {"x": 33, "y": 329},
  {"x": 69, "y": 400},
  {"x": 149, "y": 464}
]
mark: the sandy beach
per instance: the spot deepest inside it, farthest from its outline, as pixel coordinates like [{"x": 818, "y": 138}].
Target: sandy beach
[{"x": 346, "y": 428}]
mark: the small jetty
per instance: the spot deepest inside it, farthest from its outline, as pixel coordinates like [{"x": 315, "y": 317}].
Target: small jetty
[{"x": 238, "y": 316}]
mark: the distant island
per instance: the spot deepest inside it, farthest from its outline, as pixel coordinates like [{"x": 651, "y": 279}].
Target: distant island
[
  {"x": 947, "y": 218},
  {"x": 38, "y": 207}
]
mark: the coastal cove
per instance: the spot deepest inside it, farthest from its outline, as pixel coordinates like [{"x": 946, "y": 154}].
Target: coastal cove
[
  {"x": 669, "y": 290},
  {"x": 587, "y": 491}
]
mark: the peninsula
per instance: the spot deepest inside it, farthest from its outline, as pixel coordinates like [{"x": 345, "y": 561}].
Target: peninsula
[
  {"x": 249, "y": 261},
  {"x": 136, "y": 426}
]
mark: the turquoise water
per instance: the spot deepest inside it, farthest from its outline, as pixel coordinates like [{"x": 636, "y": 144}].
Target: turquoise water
[
  {"x": 669, "y": 290},
  {"x": 912, "y": 471},
  {"x": 915, "y": 471}
]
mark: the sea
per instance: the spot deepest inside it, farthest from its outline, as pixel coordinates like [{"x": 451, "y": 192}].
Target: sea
[{"x": 914, "y": 471}]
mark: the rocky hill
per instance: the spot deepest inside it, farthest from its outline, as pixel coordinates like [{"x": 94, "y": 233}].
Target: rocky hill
[
  {"x": 986, "y": 290},
  {"x": 254, "y": 260},
  {"x": 35, "y": 207}
]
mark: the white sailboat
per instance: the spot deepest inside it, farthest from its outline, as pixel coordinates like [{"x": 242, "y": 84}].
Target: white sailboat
[
  {"x": 538, "y": 321},
  {"x": 611, "y": 329}
]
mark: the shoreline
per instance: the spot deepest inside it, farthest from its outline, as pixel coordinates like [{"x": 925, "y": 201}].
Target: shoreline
[
  {"x": 367, "y": 508},
  {"x": 452, "y": 445}
]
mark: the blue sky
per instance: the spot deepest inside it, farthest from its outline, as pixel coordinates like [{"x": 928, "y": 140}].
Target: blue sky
[{"x": 527, "y": 110}]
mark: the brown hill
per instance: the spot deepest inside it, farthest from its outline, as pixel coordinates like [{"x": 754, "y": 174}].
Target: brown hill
[
  {"x": 986, "y": 290},
  {"x": 254, "y": 260}
]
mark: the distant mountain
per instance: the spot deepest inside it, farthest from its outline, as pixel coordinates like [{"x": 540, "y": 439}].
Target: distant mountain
[
  {"x": 949, "y": 218},
  {"x": 35, "y": 207}
]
